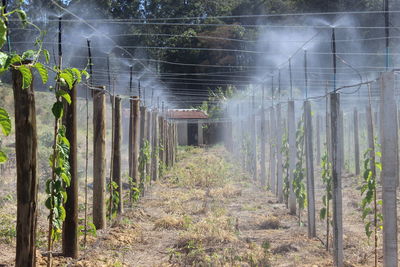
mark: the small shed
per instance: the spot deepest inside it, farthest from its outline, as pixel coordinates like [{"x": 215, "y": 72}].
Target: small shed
[{"x": 190, "y": 125}]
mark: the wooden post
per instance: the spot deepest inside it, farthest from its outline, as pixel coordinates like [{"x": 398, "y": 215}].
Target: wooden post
[
  {"x": 336, "y": 180},
  {"x": 356, "y": 143},
  {"x": 253, "y": 132},
  {"x": 318, "y": 135},
  {"x": 263, "y": 176},
  {"x": 165, "y": 143},
  {"x": 389, "y": 136},
  {"x": 279, "y": 132},
  {"x": 99, "y": 159},
  {"x": 70, "y": 227},
  {"x": 27, "y": 180},
  {"x": 200, "y": 133},
  {"x": 371, "y": 141},
  {"x": 161, "y": 139},
  {"x": 310, "y": 170},
  {"x": 327, "y": 128},
  {"x": 341, "y": 139},
  {"x": 143, "y": 131},
  {"x": 134, "y": 138},
  {"x": 149, "y": 139},
  {"x": 292, "y": 155},
  {"x": 116, "y": 170},
  {"x": 272, "y": 150},
  {"x": 155, "y": 147}
]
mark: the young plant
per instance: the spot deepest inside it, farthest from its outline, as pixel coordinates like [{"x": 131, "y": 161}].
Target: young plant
[
  {"x": 113, "y": 202},
  {"x": 324, "y": 213},
  {"x": 285, "y": 167},
  {"x": 299, "y": 187},
  {"x": 134, "y": 190},
  {"x": 370, "y": 204},
  {"x": 144, "y": 158},
  {"x": 60, "y": 177}
]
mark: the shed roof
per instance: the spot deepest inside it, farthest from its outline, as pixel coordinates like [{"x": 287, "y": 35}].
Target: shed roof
[{"x": 186, "y": 114}]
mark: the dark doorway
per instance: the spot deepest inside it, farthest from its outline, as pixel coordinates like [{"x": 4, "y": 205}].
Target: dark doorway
[{"x": 192, "y": 134}]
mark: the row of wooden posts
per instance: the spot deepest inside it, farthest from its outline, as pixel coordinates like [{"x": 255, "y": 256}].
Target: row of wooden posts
[
  {"x": 145, "y": 125},
  {"x": 271, "y": 129}
]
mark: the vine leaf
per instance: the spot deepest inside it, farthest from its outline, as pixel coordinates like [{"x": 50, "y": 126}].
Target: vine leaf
[
  {"x": 5, "y": 122},
  {"x": 28, "y": 54},
  {"x": 68, "y": 78},
  {"x": 3, "y": 157},
  {"x": 22, "y": 16},
  {"x": 46, "y": 55},
  {"x": 87, "y": 75},
  {"x": 57, "y": 109},
  {"x": 65, "y": 95},
  {"x": 3, "y": 33},
  {"x": 26, "y": 76},
  {"x": 3, "y": 59},
  {"x": 77, "y": 75},
  {"x": 42, "y": 72}
]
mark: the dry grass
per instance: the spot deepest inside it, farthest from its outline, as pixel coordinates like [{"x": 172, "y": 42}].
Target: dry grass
[
  {"x": 271, "y": 222},
  {"x": 171, "y": 223}
]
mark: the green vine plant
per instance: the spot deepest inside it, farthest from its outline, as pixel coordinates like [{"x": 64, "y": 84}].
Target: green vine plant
[
  {"x": 65, "y": 79},
  {"x": 60, "y": 177},
  {"x": 113, "y": 201},
  {"x": 56, "y": 187},
  {"x": 370, "y": 206},
  {"x": 162, "y": 167},
  {"x": 5, "y": 126},
  {"x": 134, "y": 190},
  {"x": 326, "y": 173},
  {"x": 299, "y": 187},
  {"x": 285, "y": 167},
  {"x": 144, "y": 157}
]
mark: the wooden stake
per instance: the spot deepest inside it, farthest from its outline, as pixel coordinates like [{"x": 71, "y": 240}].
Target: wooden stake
[
  {"x": 99, "y": 159},
  {"x": 279, "y": 171},
  {"x": 70, "y": 226},
  {"x": 155, "y": 147},
  {"x": 318, "y": 137},
  {"x": 390, "y": 165},
  {"x": 263, "y": 176},
  {"x": 272, "y": 150},
  {"x": 116, "y": 170},
  {"x": 292, "y": 155},
  {"x": 310, "y": 170},
  {"x": 356, "y": 143},
  {"x": 27, "y": 180},
  {"x": 336, "y": 181}
]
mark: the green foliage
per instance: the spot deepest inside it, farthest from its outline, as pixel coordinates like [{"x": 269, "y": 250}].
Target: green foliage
[
  {"x": 326, "y": 173},
  {"x": 285, "y": 167},
  {"x": 56, "y": 186},
  {"x": 42, "y": 72},
  {"x": 144, "y": 157},
  {"x": 113, "y": 202},
  {"x": 134, "y": 190},
  {"x": 216, "y": 101},
  {"x": 299, "y": 173},
  {"x": 369, "y": 203},
  {"x": 91, "y": 229},
  {"x": 5, "y": 126},
  {"x": 5, "y": 122}
]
